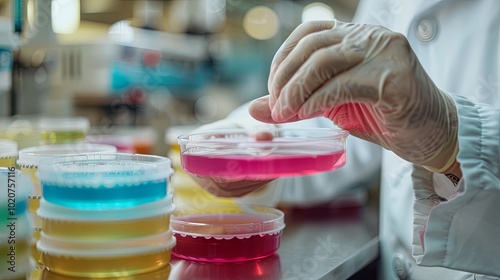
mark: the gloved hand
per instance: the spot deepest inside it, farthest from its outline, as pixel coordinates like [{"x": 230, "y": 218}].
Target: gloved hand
[
  {"x": 367, "y": 80},
  {"x": 223, "y": 187}
]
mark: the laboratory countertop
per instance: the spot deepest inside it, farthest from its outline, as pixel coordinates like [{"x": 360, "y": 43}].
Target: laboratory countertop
[
  {"x": 319, "y": 243},
  {"x": 316, "y": 244}
]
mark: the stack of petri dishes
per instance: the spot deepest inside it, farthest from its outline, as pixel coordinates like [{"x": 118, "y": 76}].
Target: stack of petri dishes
[
  {"x": 105, "y": 215},
  {"x": 14, "y": 226},
  {"x": 15, "y": 232},
  {"x": 28, "y": 163},
  {"x": 238, "y": 231},
  {"x": 8, "y": 153}
]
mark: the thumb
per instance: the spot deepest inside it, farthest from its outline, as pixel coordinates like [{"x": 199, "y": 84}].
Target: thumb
[{"x": 259, "y": 110}]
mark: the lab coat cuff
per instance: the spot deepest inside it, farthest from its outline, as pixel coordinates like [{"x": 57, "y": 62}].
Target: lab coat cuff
[{"x": 459, "y": 229}]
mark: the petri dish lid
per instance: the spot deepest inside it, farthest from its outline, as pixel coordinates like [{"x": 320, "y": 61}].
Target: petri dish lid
[
  {"x": 108, "y": 170},
  {"x": 64, "y": 124},
  {"x": 8, "y": 148},
  {"x": 99, "y": 249},
  {"x": 51, "y": 211},
  {"x": 33, "y": 155},
  {"x": 228, "y": 220}
]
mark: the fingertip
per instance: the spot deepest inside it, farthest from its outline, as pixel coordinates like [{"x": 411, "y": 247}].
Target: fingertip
[{"x": 259, "y": 110}]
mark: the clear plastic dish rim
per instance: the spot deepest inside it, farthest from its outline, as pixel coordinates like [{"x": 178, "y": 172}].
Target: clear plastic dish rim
[
  {"x": 32, "y": 156},
  {"x": 219, "y": 208},
  {"x": 311, "y": 135},
  {"x": 47, "y": 169}
]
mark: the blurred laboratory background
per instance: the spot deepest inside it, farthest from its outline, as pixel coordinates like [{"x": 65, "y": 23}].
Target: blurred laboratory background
[{"x": 136, "y": 69}]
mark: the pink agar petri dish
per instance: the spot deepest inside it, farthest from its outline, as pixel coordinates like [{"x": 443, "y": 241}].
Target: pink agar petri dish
[
  {"x": 237, "y": 154},
  {"x": 227, "y": 232}
]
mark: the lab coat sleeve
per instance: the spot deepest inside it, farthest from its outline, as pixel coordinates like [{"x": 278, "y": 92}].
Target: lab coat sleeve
[
  {"x": 463, "y": 232},
  {"x": 360, "y": 171}
]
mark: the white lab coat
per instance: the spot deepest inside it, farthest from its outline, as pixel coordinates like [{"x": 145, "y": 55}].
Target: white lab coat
[{"x": 458, "y": 43}]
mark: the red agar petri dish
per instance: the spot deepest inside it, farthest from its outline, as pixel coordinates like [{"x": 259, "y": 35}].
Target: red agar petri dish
[
  {"x": 227, "y": 232},
  {"x": 239, "y": 154}
]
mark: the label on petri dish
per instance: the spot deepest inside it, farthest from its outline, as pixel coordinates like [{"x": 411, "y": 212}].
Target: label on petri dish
[{"x": 261, "y": 167}]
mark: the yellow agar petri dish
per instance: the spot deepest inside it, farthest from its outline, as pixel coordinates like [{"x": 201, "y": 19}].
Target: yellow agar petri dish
[
  {"x": 18, "y": 264},
  {"x": 23, "y": 129},
  {"x": 14, "y": 248},
  {"x": 82, "y": 224},
  {"x": 122, "y": 257},
  {"x": 8, "y": 153},
  {"x": 63, "y": 130}
]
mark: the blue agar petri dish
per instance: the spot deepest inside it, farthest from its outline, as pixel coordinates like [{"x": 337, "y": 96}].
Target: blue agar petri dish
[{"x": 105, "y": 181}]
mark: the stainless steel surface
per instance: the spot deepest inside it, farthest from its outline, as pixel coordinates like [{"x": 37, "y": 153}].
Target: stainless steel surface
[{"x": 316, "y": 244}]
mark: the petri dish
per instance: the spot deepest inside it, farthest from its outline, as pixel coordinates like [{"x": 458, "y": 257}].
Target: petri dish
[
  {"x": 15, "y": 230},
  {"x": 236, "y": 154},
  {"x": 108, "y": 258},
  {"x": 104, "y": 181},
  {"x": 8, "y": 153},
  {"x": 54, "y": 130},
  {"x": 14, "y": 248},
  {"x": 128, "y": 139},
  {"x": 23, "y": 129},
  {"x": 142, "y": 220},
  {"x": 123, "y": 143},
  {"x": 227, "y": 232},
  {"x": 30, "y": 158},
  {"x": 266, "y": 268}
]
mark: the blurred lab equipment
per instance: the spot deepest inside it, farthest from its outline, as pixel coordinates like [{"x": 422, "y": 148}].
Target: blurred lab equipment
[
  {"x": 127, "y": 139},
  {"x": 36, "y": 58},
  {"x": 158, "y": 62},
  {"x": 8, "y": 44}
]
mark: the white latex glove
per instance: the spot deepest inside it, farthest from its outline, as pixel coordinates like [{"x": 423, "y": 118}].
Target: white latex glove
[
  {"x": 223, "y": 187},
  {"x": 367, "y": 80}
]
